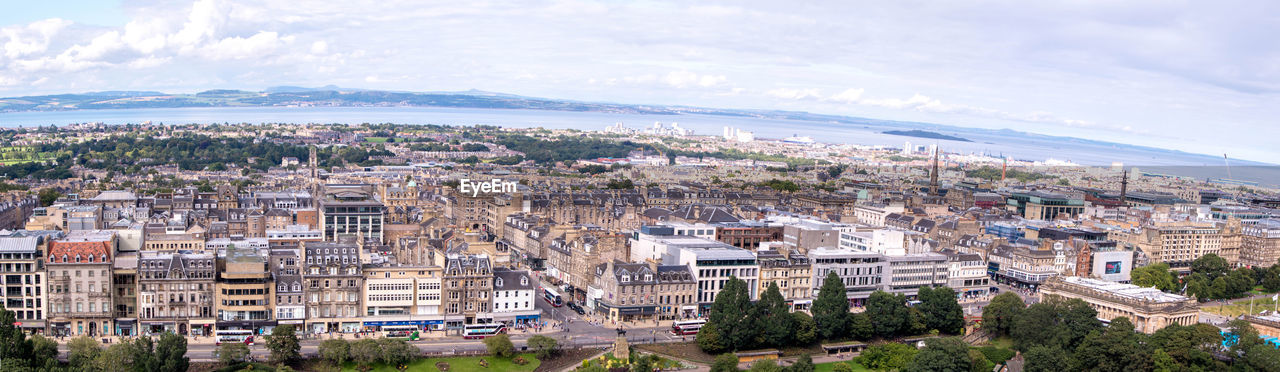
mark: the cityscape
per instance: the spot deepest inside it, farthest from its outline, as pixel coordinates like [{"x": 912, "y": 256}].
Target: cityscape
[{"x": 398, "y": 228}]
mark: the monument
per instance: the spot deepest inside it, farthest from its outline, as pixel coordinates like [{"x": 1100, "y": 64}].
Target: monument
[{"x": 621, "y": 349}]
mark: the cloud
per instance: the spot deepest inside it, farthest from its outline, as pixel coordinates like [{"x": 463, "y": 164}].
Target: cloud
[
  {"x": 319, "y": 47},
  {"x": 258, "y": 45},
  {"x": 795, "y": 94},
  {"x": 31, "y": 39},
  {"x": 682, "y": 79}
]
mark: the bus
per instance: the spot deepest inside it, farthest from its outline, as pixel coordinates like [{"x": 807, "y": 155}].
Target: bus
[
  {"x": 407, "y": 332},
  {"x": 233, "y": 335},
  {"x": 687, "y": 327},
  {"x": 552, "y": 297},
  {"x": 472, "y": 331}
]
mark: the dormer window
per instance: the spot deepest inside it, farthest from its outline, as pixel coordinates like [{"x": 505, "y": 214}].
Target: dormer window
[
  {"x": 90, "y": 258},
  {"x": 77, "y": 258},
  {"x": 497, "y": 282},
  {"x": 524, "y": 280}
]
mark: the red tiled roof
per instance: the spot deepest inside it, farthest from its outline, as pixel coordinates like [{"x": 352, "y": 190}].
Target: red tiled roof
[{"x": 99, "y": 250}]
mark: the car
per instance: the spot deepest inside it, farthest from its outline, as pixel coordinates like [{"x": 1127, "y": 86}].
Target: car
[{"x": 576, "y": 308}]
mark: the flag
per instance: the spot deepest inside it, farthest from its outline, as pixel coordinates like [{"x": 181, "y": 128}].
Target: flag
[{"x": 1275, "y": 297}]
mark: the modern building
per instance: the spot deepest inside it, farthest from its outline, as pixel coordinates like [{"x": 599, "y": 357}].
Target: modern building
[
  {"x": 22, "y": 266},
  {"x": 351, "y": 210},
  {"x": 244, "y": 291},
  {"x": 403, "y": 295},
  {"x": 1148, "y": 308},
  {"x": 1039, "y": 205}
]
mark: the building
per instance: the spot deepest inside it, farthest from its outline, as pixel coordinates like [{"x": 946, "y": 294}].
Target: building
[
  {"x": 468, "y": 290},
  {"x": 514, "y": 297},
  {"x": 1177, "y": 244},
  {"x": 286, "y": 270},
  {"x": 790, "y": 273},
  {"x": 175, "y": 293},
  {"x": 1260, "y": 243},
  {"x": 644, "y": 291},
  {"x": 1148, "y": 308},
  {"x": 22, "y": 266},
  {"x": 244, "y": 291},
  {"x": 79, "y": 283},
  {"x": 862, "y": 272},
  {"x": 334, "y": 286},
  {"x": 967, "y": 273},
  {"x": 351, "y": 210},
  {"x": 1038, "y": 205},
  {"x": 403, "y": 295}
]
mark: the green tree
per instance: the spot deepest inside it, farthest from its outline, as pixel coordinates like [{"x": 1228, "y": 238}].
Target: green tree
[
  {"x": 48, "y": 196},
  {"x": 1076, "y": 319},
  {"x": 1190, "y": 347},
  {"x": 171, "y": 353},
  {"x": 777, "y": 324},
  {"x": 283, "y": 344},
  {"x": 887, "y": 356},
  {"x": 1042, "y": 358},
  {"x": 979, "y": 362},
  {"x": 143, "y": 354},
  {"x": 1211, "y": 265},
  {"x": 13, "y": 343},
  {"x": 397, "y": 352},
  {"x": 731, "y": 315},
  {"x": 233, "y": 353},
  {"x": 940, "y": 310},
  {"x": 1262, "y": 358},
  {"x": 1154, "y": 275},
  {"x": 1271, "y": 278},
  {"x": 860, "y": 326},
  {"x": 1000, "y": 314},
  {"x": 765, "y": 365},
  {"x": 726, "y": 362},
  {"x": 1200, "y": 286},
  {"x": 947, "y": 354},
  {"x": 543, "y": 346},
  {"x": 119, "y": 358},
  {"x": 889, "y": 313},
  {"x": 336, "y": 351},
  {"x": 842, "y": 367},
  {"x": 831, "y": 308},
  {"x": 500, "y": 346},
  {"x": 710, "y": 340},
  {"x": 81, "y": 351},
  {"x": 806, "y": 329},
  {"x": 1118, "y": 348},
  {"x": 802, "y": 364},
  {"x": 367, "y": 352},
  {"x": 43, "y": 350}
]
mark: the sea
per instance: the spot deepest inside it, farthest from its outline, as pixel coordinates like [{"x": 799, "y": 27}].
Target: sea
[{"x": 1011, "y": 144}]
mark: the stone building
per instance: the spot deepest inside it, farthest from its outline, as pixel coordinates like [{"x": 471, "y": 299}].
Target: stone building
[
  {"x": 334, "y": 285},
  {"x": 80, "y": 283},
  {"x": 1148, "y": 308},
  {"x": 468, "y": 289},
  {"x": 175, "y": 292}
]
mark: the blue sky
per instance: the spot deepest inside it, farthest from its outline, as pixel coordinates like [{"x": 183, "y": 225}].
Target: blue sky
[{"x": 1200, "y": 77}]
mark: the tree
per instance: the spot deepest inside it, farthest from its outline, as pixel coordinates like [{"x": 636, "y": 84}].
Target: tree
[
  {"x": 367, "y": 352},
  {"x": 1037, "y": 325},
  {"x": 81, "y": 351},
  {"x": 543, "y": 346},
  {"x": 710, "y": 340},
  {"x": 1188, "y": 347},
  {"x": 1211, "y": 265},
  {"x": 1042, "y": 358},
  {"x": 765, "y": 365},
  {"x": 1118, "y": 348},
  {"x": 336, "y": 351},
  {"x": 979, "y": 362},
  {"x": 1200, "y": 286},
  {"x": 999, "y": 315},
  {"x": 143, "y": 354},
  {"x": 835, "y": 170},
  {"x": 777, "y": 324},
  {"x": 1271, "y": 278},
  {"x": 1155, "y": 275},
  {"x": 171, "y": 353},
  {"x": 48, "y": 196},
  {"x": 802, "y": 364},
  {"x": 940, "y": 310},
  {"x": 397, "y": 352},
  {"x": 860, "y": 326},
  {"x": 43, "y": 350},
  {"x": 1262, "y": 358},
  {"x": 1076, "y": 319},
  {"x": 233, "y": 353},
  {"x": 942, "y": 355},
  {"x": 887, "y": 356},
  {"x": 726, "y": 362},
  {"x": 806, "y": 329},
  {"x": 730, "y": 315},
  {"x": 831, "y": 308},
  {"x": 500, "y": 346},
  {"x": 118, "y": 358},
  {"x": 283, "y": 344},
  {"x": 13, "y": 343},
  {"x": 888, "y": 312},
  {"x": 842, "y": 367}
]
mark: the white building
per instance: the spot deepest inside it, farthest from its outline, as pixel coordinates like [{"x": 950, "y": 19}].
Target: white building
[{"x": 514, "y": 296}]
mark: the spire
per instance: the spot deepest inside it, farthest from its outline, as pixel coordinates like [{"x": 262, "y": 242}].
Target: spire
[
  {"x": 933, "y": 176},
  {"x": 1124, "y": 187}
]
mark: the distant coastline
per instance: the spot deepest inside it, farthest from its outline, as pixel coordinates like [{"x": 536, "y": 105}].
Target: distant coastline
[{"x": 925, "y": 134}]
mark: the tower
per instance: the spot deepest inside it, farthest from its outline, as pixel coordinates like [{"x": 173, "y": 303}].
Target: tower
[
  {"x": 933, "y": 176},
  {"x": 1124, "y": 188}
]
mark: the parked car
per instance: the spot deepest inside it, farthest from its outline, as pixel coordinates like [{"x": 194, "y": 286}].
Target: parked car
[{"x": 577, "y": 309}]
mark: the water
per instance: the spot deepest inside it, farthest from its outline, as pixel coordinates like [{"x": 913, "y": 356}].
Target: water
[{"x": 864, "y": 132}]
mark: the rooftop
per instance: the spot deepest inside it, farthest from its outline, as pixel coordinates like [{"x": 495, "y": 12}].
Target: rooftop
[{"x": 1129, "y": 291}]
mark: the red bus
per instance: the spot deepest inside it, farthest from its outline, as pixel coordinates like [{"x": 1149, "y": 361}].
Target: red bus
[{"x": 687, "y": 327}]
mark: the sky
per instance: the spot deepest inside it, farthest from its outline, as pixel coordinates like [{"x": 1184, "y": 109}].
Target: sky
[{"x": 1195, "y": 76}]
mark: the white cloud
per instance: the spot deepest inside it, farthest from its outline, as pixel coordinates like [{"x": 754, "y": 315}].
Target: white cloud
[
  {"x": 258, "y": 45},
  {"x": 683, "y": 79},
  {"x": 319, "y": 47},
  {"x": 31, "y": 39},
  {"x": 795, "y": 94}
]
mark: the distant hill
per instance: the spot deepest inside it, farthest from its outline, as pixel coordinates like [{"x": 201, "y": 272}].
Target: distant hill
[{"x": 925, "y": 134}]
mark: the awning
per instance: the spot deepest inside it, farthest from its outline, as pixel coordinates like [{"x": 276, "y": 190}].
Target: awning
[
  {"x": 522, "y": 317},
  {"x": 689, "y": 307},
  {"x": 202, "y": 321}
]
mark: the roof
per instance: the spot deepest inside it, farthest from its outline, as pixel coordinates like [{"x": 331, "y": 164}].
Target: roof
[{"x": 1129, "y": 291}]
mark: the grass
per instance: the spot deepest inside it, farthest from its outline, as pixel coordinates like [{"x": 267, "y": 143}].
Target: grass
[
  {"x": 830, "y": 366},
  {"x": 459, "y": 364},
  {"x": 375, "y": 139},
  {"x": 683, "y": 350},
  {"x": 1238, "y": 307},
  {"x": 1002, "y": 342}
]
